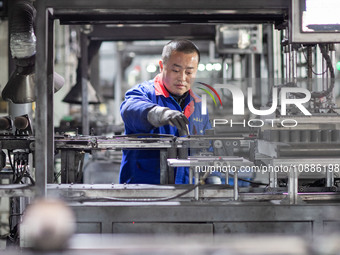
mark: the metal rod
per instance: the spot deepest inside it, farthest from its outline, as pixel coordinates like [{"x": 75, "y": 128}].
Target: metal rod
[
  {"x": 84, "y": 80},
  {"x": 329, "y": 178},
  {"x": 196, "y": 191},
  {"x": 41, "y": 148},
  {"x": 171, "y": 153},
  {"x": 275, "y": 180},
  {"x": 333, "y": 55},
  {"x": 50, "y": 92},
  {"x": 327, "y": 74},
  {"x": 282, "y": 58},
  {"x": 272, "y": 179},
  {"x": 293, "y": 187},
  {"x": 236, "y": 185},
  {"x": 118, "y": 86},
  {"x": 287, "y": 62},
  {"x": 270, "y": 58},
  {"x": 294, "y": 65},
  {"x": 265, "y": 6},
  {"x": 309, "y": 68},
  {"x": 323, "y": 65},
  {"x": 163, "y": 167},
  {"x": 64, "y": 166},
  {"x": 191, "y": 175},
  {"x": 291, "y": 63}
]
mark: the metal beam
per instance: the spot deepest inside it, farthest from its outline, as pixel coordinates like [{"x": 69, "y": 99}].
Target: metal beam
[
  {"x": 151, "y": 5},
  {"x": 98, "y": 17},
  {"x": 50, "y": 94},
  {"x": 147, "y": 49},
  {"x": 147, "y": 32},
  {"x": 41, "y": 116},
  {"x": 177, "y": 11},
  {"x": 84, "y": 80}
]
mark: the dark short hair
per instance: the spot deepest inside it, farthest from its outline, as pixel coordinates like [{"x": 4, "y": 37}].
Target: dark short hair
[{"x": 179, "y": 45}]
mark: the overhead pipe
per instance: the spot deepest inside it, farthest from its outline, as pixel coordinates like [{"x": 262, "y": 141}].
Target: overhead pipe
[{"x": 20, "y": 87}]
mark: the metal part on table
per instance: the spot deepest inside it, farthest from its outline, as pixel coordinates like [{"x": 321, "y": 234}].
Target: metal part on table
[
  {"x": 169, "y": 147},
  {"x": 209, "y": 161},
  {"x": 112, "y": 143},
  {"x": 202, "y": 141},
  {"x": 129, "y": 142},
  {"x": 308, "y": 153},
  {"x": 295, "y": 168},
  {"x": 96, "y": 193},
  {"x": 221, "y": 163},
  {"x": 72, "y": 149},
  {"x": 99, "y": 192}
]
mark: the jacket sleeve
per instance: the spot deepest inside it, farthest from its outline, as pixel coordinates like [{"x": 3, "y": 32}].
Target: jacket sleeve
[{"x": 135, "y": 108}]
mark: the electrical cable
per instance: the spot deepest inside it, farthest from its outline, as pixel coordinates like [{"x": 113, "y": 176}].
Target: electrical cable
[
  {"x": 312, "y": 69},
  {"x": 317, "y": 94},
  {"x": 10, "y": 159},
  {"x": 56, "y": 176},
  {"x": 320, "y": 94}
]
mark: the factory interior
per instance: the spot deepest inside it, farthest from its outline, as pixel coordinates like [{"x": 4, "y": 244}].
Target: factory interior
[{"x": 264, "y": 179}]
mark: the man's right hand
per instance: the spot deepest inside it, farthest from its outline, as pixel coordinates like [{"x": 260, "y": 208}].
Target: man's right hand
[{"x": 160, "y": 116}]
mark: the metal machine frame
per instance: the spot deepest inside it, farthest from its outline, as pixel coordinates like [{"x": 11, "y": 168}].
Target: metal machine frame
[
  {"x": 218, "y": 216},
  {"x": 89, "y": 12}
]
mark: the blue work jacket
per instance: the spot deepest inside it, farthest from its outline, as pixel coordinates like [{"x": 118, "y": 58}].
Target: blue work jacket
[{"x": 143, "y": 166}]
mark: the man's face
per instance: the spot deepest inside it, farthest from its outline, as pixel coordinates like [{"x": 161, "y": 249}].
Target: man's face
[{"x": 179, "y": 72}]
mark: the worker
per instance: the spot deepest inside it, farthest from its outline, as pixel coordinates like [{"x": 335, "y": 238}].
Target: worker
[{"x": 164, "y": 105}]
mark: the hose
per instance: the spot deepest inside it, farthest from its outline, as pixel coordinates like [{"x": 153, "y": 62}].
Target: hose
[
  {"x": 320, "y": 94},
  {"x": 21, "y": 30}
]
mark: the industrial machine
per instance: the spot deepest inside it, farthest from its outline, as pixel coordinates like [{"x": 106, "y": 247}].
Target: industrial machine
[{"x": 270, "y": 163}]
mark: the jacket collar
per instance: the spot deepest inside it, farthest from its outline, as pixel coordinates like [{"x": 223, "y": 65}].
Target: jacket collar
[{"x": 160, "y": 90}]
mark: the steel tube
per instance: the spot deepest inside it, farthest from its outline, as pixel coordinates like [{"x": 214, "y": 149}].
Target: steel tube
[
  {"x": 163, "y": 167},
  {"x": 236, "y": 186},
  {"x": 50, "y": 93},
  {"x": 196, "y": 191},
  {"x": 84, "y": 80},
  {"x": 41, "y": 140},
  {"x": 329, "y": 178}
]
